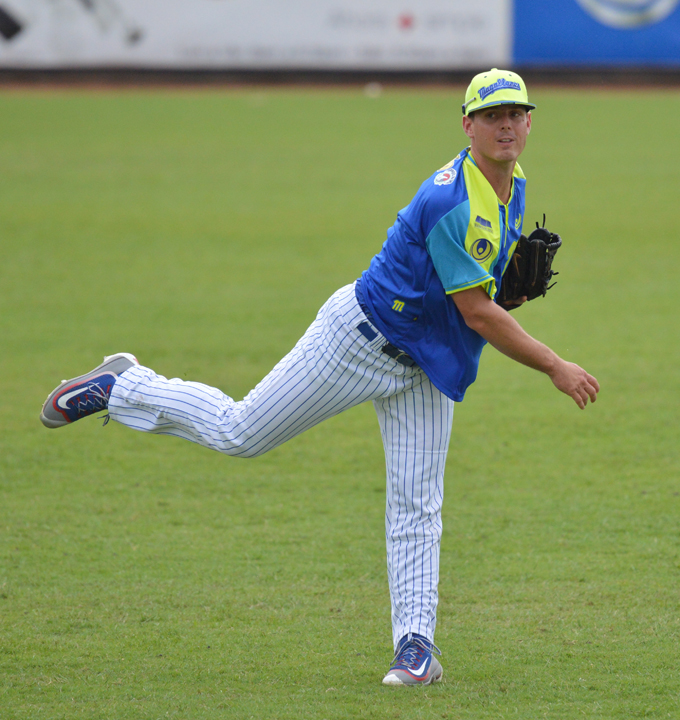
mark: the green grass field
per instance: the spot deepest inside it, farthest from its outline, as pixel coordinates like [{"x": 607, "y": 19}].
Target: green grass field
[{"x": 143, "y": 577}]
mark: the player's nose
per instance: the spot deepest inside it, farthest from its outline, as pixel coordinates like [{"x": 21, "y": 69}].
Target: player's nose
[{"x": 505, "y": 118}]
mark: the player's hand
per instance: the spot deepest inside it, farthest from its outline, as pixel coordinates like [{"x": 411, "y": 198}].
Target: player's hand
[{"x": 575, "y": 382}]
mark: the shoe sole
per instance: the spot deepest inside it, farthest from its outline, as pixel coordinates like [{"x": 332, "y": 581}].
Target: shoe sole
[
  {"x": 435, "y": 677},
  {"x": 106, "y": 366}
]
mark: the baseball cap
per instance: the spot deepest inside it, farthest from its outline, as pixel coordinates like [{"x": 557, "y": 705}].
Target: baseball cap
[{"x": 496, "y": 87}]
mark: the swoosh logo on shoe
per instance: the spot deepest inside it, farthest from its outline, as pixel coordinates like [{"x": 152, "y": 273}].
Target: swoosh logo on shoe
[
  {"x": 420, "y": 671},
  {"x": 63, "y": 399}
]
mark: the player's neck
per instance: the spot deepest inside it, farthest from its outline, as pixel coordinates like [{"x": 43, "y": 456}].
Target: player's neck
[{"x": 499, "y": 175}]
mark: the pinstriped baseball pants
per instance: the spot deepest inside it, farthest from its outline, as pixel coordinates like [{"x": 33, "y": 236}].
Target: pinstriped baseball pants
[{"x": 332, "y": 368}]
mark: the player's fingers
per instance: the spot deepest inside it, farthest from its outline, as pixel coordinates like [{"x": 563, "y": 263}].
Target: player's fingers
[
  {"x": 580, "y": 398},
  {"x": 592, "y": 387},
  {"x": 588, "y": 392},
  {"x": 593, "y": 381}
]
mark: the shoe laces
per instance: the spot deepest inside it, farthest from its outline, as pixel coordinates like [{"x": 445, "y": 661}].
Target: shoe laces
[
  {"x": 411, "y": 653},
  {"x": 92, "y": 399}
]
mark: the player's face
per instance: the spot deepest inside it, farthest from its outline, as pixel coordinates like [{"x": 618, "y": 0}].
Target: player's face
[{"x": 498, "y": 134}]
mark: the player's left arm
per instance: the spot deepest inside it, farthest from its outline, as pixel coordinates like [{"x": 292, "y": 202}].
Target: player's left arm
[{"x": 499, "y": 328}]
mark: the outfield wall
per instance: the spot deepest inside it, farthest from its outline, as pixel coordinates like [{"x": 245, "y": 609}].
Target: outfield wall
[
  {"x": 407, "y": 35},
  {"x": 598, "y": 33}
]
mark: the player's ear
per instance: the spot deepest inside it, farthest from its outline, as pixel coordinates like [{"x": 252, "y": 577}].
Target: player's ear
[
  {"x": 467, "y": 126},
  {"x": 529, "y": 122}
]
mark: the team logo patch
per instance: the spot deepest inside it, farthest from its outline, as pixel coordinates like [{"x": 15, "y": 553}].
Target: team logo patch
[
  {"x": 501, "y": 84},
  {"x": 481, "y": 222},
  {"x": 518, "y": 222},
  {"x": 446, "y": 177},
  {"x": 398, "y": 305},
  {"x": 481, "y": 249}
]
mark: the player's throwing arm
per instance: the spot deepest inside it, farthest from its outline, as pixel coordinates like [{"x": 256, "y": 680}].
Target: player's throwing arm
[{"x": 496, "y": 326}]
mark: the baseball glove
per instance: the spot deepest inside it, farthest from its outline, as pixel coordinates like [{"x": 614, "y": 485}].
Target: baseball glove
[{"x": 530, "y": 269}]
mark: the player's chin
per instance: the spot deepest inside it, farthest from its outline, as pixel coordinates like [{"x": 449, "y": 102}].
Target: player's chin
[{"x": 507, "y": 151}]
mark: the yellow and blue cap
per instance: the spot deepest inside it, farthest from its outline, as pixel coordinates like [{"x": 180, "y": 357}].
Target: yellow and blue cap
[{"x": 496, "y": 87}]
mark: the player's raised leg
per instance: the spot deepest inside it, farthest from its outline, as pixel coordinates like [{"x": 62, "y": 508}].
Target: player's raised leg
[
  {"x": 416, "y": 428},
  {"x": 333, "y": 367}
]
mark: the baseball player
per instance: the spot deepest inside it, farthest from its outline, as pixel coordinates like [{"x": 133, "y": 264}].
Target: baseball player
[{"x": 407, "y": 335}]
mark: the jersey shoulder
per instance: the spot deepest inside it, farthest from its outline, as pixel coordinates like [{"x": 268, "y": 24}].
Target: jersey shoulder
[
  {"x": 448, "y": 176},
  {"x": 443, "y": 191}
]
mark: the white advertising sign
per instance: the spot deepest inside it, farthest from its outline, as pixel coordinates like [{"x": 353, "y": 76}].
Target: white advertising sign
[{"x": 255, "y": 34}]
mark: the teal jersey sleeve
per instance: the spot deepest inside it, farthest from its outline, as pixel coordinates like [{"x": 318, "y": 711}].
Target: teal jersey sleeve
[{"x": 455, "y": 267}]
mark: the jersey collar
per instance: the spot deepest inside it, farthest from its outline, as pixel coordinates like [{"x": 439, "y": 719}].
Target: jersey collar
[{"x": 516, "y": 173}]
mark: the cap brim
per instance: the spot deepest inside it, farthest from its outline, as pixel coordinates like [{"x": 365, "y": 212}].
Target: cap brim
[{"x": 527, "y": 105}]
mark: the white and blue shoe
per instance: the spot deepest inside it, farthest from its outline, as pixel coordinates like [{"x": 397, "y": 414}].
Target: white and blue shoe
[
  {"x": 85, "y": 395},
  {"x": 414, "y": 662}
]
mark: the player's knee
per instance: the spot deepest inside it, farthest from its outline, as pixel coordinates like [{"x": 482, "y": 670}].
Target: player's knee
[
  {"x": 249, "y": 452},
  {"x": 242, "y": 440},
  {"x": 246, "y": 449}
]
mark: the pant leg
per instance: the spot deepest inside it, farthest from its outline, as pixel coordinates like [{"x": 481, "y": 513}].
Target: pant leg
[
  {"x": 416, "y": 428},
  {"x": 333, "y": 367}
]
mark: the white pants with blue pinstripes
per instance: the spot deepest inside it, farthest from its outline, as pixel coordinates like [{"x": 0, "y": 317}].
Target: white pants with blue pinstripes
[{"x": 332, "y": 368}]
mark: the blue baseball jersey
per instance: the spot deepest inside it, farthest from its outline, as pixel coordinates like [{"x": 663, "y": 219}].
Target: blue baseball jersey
[{"x": 454, "y": 235}]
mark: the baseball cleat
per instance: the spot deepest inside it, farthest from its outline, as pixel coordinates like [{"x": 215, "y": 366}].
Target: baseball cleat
[
  {"x": 82, "y": 396},
  {"x": 414, "y": 662}
]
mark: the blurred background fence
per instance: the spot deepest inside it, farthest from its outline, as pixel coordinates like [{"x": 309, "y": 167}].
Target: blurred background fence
[{"x": 437, "y": 37}]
